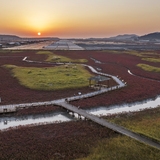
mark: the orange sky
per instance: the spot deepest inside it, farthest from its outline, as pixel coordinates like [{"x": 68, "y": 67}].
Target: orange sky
[{"x": 79, "y": 18}]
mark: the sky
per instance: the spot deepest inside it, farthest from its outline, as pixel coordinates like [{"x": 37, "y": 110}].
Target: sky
[{"x": 79, "y": 18}]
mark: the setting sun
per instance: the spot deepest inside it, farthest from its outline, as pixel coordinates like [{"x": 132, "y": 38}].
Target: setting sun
[
  {"x": 66, "y": 19},
  {"x": 39, "y": 33}
]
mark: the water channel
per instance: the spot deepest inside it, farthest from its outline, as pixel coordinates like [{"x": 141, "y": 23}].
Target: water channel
[
  {"x": 132, "y": 107},
  {"x": 14, "y": 121}
]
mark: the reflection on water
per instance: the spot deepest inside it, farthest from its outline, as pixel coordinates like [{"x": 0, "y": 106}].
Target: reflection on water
[
  {"x": 153, "y": 103},
  {"x": 14, "y": 121},
  {"x": 7, "y": 122}
]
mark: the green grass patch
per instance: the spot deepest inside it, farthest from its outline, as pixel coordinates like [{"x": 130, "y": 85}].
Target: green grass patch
[
  {"x": 58, "y": 58},
  {"x": 122, "y": 148},
  {"x": 143, "y": 122},
  {"x": 14, "y": 51},
  {"x": 156, "y": 60},
  {"x": 149, "y": 68},
  {"x": 10, "y": 51},
  {"x": 4, "y": 51},
  {"x": 44, "y": 52},
  {"x": 141, "y": 54},
  {"x": 51, "y": 78},
  {"x": 134, "y": 53},
  {"x": 112, "y": 51}
]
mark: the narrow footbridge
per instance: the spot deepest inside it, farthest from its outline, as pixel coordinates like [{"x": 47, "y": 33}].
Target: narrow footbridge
[
  {"x": 64, "y": 103},
  {"x": 109, "y": 125}
]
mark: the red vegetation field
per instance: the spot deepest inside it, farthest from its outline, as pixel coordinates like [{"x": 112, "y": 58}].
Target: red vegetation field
[
  {"x": 138, "y": 88},
  {"x": 72, "y": 139},
  {"x": 12, "y": 92},
  {"x": 57, "y": 141},
  {"x": 38, "y": 110},
  {"x": 116, "y": 64}
]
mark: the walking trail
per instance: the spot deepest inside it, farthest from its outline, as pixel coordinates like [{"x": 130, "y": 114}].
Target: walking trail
[{"x": 65, "y": 104}]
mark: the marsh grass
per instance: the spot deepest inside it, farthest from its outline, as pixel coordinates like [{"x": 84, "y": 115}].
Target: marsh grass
[
  {"x": 141, "y": 54},
  {"x": 122, "y": 148},
  {"x": 10, "y": 51},
  {"x": 15, "y": 51},
  {"x": 149, "y": 68},
  {"x": 135, "y": 53},
  {"x": 4, "y": 51},
  {"x": 58, "y": 58},
  {"x": 146, "y": 122},
  {"x": 155, "y": 60},
  {"x": 51, "y": 78}
]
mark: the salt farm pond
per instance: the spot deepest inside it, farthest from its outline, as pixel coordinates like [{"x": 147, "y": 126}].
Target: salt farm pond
[{"x": 57, "y": 117}]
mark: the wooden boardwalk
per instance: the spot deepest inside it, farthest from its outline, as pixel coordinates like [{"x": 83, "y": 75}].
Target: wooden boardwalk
[
  {"x": 102, "y": 122},
  {"x": 14, "y": 107},
  {"x": 110, "y": 125}
]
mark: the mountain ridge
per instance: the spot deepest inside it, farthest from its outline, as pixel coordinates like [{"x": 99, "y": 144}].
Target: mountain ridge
[{"x": 151, "y": 36}]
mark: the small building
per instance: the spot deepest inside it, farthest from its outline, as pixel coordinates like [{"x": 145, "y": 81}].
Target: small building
[{"x": 99, "y": 82}]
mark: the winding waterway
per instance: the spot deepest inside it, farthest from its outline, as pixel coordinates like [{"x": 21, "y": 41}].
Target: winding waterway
[
  {"x": 115, "y": 109},
  {"x": 15, "y": 121},
  {"x": 58, "y": 117}
]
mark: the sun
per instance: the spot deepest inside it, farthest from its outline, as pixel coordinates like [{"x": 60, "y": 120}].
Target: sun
[{"x": 39, "y": 33}]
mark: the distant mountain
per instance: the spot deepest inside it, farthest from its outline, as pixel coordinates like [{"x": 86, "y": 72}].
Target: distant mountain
[
  {"x": 13, "y": 38},
  {"x": 151, "y": 36},
  {"x": 124, "y": 37},
  {"x": 5, "y": 37}
]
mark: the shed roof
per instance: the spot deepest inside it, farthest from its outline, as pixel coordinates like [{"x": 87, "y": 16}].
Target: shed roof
[{"x": 99, "y": 78}]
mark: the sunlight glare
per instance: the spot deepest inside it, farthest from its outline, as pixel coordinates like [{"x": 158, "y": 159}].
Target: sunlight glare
[{"x": 39, "y": 33}]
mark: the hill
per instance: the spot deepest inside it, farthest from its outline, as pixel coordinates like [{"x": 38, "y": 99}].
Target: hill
[
  {"x": 124, "y": 37},
  {"x": 151, "y": 36},
  {"x": 8, "y": 37}
]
